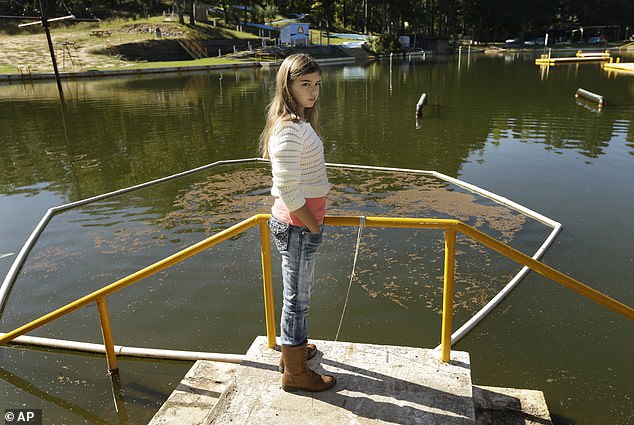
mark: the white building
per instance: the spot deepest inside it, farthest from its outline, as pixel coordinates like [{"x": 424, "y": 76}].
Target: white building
[{"x": 295, "y": 34}]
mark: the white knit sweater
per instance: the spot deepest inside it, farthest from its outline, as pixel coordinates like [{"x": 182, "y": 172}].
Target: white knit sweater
[{"x": 297, "y": 163}]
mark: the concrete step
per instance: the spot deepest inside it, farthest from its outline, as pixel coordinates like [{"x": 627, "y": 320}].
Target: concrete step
[
  {"x": 195, "y": 398},
  {"x": 376, "y": 384},
  {"x": 494, "y": 405}
]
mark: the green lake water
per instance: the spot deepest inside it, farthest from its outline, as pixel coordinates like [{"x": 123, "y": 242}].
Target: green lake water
[{"x": 500, "y": 123}]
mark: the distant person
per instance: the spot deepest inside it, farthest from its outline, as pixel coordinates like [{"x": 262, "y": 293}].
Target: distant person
[{"x": 292, "y": 141}]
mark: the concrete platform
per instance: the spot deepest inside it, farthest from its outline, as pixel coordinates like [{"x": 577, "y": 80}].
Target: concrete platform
[
  {"x": 376, "y": 384},
  {"x": 194, "y": 399}
]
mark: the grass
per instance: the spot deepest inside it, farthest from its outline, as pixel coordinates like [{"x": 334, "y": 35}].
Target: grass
[
  {"x": 8, "y": 69},
  {"x": 123, "y": 30},
  {"x": 334, "y": 41},
  {"x": 202, "y": 29},
  {"x": 174, "y": 64}
]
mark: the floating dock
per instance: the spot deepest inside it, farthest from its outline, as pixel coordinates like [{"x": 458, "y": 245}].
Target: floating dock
[
  {"x": 579, "y": 58},
  {"x": 376, "y": 384},
  {"x": 598, "y": 55},
  {"x": 619, "y": 66}
]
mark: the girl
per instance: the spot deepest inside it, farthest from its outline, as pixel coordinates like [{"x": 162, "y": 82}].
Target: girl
[{"x": 300, "y": 185}]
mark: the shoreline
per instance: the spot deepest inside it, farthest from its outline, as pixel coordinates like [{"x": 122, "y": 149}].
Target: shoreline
[{"x": 98, "y": 73}]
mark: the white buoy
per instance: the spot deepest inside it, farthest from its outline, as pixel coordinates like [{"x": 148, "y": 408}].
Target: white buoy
[
  {"x": 600, "y": 100},
  {"x": 419, "y": 106}
]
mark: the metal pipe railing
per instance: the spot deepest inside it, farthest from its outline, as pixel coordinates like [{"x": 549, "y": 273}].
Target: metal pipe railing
[
  {"x": 547, "y": 271},
  {"x": 99, "y": 295},
  {"x": 106, "y": 332},
  {"x": 267, "y": 281},
  {"x": 125, "y": 351},
  {"x": 451, "y": 228},
  {"x": 512, "y": 284},
  {"x": 447, "y": 296},
  {"x": 9, "y": 280}
]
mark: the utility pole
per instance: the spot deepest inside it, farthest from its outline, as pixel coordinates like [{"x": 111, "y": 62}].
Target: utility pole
[
  {"x": 44, "y": 15},
  {"x": 45, "y": 20}
]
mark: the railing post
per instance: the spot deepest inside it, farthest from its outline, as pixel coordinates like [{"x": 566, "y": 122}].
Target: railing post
[
  {"x": 447, "y": 300},
  {"x": 106, "y": 331},
  {"x": 267, "y": 278}
]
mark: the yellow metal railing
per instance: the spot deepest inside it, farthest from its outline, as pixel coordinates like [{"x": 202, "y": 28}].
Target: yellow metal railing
[{"x": 450, "y": 227}]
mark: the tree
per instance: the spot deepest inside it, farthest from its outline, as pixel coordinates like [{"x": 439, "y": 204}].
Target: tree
[{"x": 486, "y": 20}]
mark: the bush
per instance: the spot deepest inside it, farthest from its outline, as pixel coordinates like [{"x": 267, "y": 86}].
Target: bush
[{"x": 385, "y": 43}]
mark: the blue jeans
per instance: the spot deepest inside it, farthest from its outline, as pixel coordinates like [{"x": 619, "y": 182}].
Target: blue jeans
[{"x": 298, "y": 248}]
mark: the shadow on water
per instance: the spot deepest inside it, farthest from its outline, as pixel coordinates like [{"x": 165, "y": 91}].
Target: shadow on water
[{"x": 29, "y": 388}]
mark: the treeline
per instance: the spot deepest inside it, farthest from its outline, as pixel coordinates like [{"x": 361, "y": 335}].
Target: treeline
[{"x": 484, "y": 20}]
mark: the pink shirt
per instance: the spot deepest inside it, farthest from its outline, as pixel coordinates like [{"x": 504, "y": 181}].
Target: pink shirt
[{"x": 316, "y": 205}]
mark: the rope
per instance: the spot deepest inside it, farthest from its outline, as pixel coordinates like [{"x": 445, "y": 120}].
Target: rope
[{"x": 354, "y": 266}]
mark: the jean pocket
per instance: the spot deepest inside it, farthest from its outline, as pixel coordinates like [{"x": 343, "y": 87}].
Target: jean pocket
[
  {"x": 279, "y": 232},
  {"x": 316, "y": 238}
]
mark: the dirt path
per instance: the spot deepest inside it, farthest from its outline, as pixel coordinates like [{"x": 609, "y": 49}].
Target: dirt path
[
  {"x": 30, "y": 52},
  {"x": 77, "y": 50}
]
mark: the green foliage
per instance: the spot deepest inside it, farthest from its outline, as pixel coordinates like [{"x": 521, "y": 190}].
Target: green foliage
[
  {"x": 270, "y": 13},
  {"x": 385, "y": 43},
  {"x": 484, "y": 20},
  {"x": 8, "y": 69},
  {"x": 257, "y": 14}
]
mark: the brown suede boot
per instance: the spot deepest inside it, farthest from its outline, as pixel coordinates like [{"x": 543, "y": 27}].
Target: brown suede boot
[
  {"x": 297, "y": 375},
  {"x": 311, "y": 350}
]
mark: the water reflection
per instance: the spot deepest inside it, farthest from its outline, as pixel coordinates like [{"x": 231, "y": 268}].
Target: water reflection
[
  {"x": 114, "y": 132},
  {"x": 590, "y": 106},
  {"x": 355, "y": 72},
  {"x": 33, "y": 390}
]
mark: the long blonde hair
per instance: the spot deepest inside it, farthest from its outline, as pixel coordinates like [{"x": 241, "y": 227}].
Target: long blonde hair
[{"x": 283, "y": 106}]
